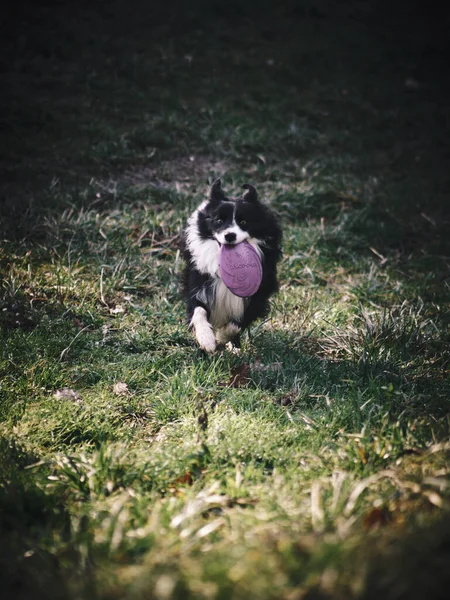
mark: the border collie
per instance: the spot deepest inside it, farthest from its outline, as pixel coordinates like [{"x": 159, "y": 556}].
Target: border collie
[{"x": 215, "y": 314}]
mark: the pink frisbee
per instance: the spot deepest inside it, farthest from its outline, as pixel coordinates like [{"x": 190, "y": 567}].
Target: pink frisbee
[{"x": 240, "y": 269}]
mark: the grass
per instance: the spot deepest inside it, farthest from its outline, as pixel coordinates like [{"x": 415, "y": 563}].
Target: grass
[{"x": 314, "y": 464}]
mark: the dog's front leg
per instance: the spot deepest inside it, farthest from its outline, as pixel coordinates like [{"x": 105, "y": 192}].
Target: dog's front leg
[
  {"x": 229, "y": 333},
  {"x": 203, "y": 330}
]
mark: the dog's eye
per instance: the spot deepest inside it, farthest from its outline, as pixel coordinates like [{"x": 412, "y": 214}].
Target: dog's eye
[
  {"x": 219, "y": 221},
  {"x": 243, "y": 222}
]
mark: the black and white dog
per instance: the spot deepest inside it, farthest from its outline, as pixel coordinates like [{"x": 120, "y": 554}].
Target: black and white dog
[{"x": 216, "y": 314}]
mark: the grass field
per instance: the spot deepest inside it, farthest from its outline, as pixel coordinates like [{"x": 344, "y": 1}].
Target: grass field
[{"x": 315, "y": 464}]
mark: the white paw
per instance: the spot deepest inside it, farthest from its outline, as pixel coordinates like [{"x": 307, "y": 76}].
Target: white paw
[
  {"x": 206, "y": 339},
  {"x": 203, "y": 330}
]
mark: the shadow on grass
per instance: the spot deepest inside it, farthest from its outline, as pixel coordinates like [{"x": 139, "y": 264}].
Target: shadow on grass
[
  {"x": 29, "y": 514},
  {"x": 412, "y": 568},
  {"x": 400, "y": 240},
  {"x": 357, "y": 383},
  {"x": 344, "y": 107},
  {"x": 80, "y": 104}
]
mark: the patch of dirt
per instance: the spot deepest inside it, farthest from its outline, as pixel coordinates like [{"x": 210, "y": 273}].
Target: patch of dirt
[{"x": 183, "y": 173}]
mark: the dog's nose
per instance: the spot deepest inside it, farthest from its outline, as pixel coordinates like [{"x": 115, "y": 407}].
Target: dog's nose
[{"x": 230, "y": 237}]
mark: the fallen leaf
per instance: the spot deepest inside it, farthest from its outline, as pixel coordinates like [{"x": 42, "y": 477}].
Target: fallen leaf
[
  {"x": 184, "y": 479},
  {"x": 121, "y": 389},
  {"x": 67, "y": 394},
  {"x": 116, "y": 310},
  {"x": 239, "y": 376},
  {"x": 259, "y": 366}
]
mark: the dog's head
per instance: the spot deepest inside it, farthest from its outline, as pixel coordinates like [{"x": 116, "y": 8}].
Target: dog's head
[{"x": 231, "y": 220}]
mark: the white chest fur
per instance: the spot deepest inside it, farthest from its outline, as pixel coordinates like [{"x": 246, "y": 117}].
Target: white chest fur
[
  {"x": 205, "y": 253},
  {"x": 227, "y": 307}
]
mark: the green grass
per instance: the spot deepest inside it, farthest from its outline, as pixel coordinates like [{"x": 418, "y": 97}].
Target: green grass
[{"x": 315, "y": 463}]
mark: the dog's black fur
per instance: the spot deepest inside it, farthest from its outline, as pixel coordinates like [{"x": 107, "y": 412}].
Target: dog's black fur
[{"x": 213, "y": 311}]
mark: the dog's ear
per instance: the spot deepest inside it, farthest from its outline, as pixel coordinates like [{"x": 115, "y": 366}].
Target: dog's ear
[
  {"x": 216, "y": 194},
  {"x": 250, "y": 195}
]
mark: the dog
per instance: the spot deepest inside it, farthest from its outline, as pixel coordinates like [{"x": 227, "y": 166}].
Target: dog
[{"x": 215, "y": 314}]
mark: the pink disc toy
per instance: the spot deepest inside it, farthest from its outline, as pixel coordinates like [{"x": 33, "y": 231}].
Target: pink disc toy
[{"x": 241, "y": 269}]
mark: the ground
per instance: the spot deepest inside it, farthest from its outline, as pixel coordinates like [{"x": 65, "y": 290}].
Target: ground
[{"x": 315, "y": 463}]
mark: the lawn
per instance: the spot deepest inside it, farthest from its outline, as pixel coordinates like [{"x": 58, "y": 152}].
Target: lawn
[{"x": 313, "y": 465}]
